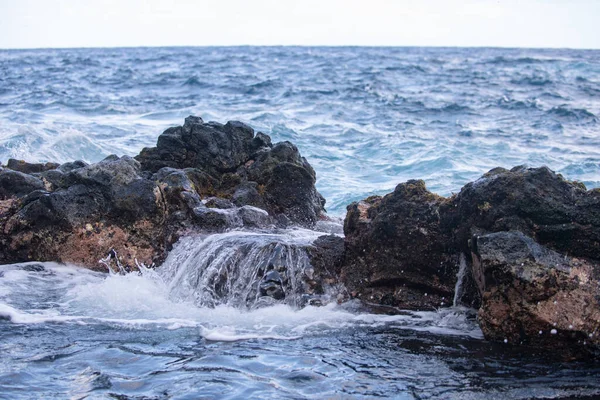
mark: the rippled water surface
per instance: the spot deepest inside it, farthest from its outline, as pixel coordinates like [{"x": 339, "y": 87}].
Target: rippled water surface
[{"x": 366, "y": 119}]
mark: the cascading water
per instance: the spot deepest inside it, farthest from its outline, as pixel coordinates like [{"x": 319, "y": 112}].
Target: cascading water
[
  {"x": 240, "y": 269},
  {"x": 460, "y": 277}
]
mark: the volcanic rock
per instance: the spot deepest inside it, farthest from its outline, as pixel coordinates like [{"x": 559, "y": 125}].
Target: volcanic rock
[{"x": 127, "y": 210}]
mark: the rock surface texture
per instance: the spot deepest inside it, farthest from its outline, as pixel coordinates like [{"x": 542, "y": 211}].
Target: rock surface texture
[
  {"x": 529, "y": 241},
  {"x": 200, "y": 177}
]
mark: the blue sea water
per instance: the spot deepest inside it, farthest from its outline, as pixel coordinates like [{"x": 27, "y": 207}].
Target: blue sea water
[{"x": 366, "y": 119}]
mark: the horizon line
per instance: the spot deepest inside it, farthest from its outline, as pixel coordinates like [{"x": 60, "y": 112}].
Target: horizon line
[{"x": 297, "y": 45}]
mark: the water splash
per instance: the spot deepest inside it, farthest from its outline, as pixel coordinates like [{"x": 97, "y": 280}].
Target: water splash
[
  {"x": 240, "y": 269},
  {"x": 460, "y": 278}
]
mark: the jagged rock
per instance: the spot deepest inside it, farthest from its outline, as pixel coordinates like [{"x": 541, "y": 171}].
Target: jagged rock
[
  {"x": 536, "y": 296},
  {"x": 133, "y": 209},
  {"x": 396, "y": 250},
  {"x": 535, "y": 201},
  {"x": 17, "y": 184},
  {"x": 526, "y": 236},
  {"x": 30, "y": 168},
  {"x": 248, "y": 169}
]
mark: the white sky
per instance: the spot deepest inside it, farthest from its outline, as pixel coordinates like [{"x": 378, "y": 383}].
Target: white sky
[{"x": 110, "y": 23}]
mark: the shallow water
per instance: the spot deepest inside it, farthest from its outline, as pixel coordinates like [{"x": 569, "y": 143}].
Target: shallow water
[
  {"x": 366, "y": 119},
  {"x": 66, "y": 332}
]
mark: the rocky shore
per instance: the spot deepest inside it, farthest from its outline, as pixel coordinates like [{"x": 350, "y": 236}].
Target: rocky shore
[
  {"x": 528, "y": 241},
  {"x": 522, "y": 245},
  {"x": 200, "y": 177}
]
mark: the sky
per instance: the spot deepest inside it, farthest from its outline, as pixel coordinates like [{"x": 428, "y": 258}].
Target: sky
[{"x": 125, "y": 23}]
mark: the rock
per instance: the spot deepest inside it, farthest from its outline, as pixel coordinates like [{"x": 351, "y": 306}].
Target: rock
[
  {"x": 17, "y": 184},
  {"x": 217, "y": 202},
  {"x": 528, "y": 241},
  {"x": 536, "y": 296},
  {"x": 326, "y": 256},
  {"x": 29, "y": 168},
  {"x": 553, "y": 211},
  {"x": 253, "y": 217},
  {"x": 213, "y": 148},
  {"x": 396, "y": 251},
  {"x": 242, "y": 167},
  {"x": 246, "y": 194},
  {"x": 216, "y": 219},
  {"x": 70, "y": 166},
  {"x": 272, "y": 286}
]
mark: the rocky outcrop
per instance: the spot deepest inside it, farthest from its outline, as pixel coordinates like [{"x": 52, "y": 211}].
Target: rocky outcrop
[
  {"x": 246, "y": 168},
  {"x": 529, "y": 241},
  {"x": 536, "y": 296},
  {"x": 200, "y": 177},
  {"x": 396, "y": 252}
]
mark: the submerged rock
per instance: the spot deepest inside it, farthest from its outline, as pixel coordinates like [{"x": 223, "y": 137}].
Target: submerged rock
[{"x": 133, "y": 209}]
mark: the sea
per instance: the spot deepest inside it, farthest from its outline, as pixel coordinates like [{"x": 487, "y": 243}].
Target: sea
[{"x": 367, "y": 119}]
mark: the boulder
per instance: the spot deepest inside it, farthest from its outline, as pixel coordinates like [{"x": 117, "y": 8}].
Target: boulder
[
  {"x": 240, "y": 166},
  {"x": 524, "y": 242},
  {"x": 536, "y": 201},
  {"x": 29, "y": 168},
  {"x": 396, "y": 251},
  {"x": 536, "y": 296}
]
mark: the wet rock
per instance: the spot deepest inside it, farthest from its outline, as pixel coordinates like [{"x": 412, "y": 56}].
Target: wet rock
[
  {"x": 246, "y": 194},
  {"x": 70, "y": 166},
  {"x": 213, "y": 148},
  {"x": 536, "y": 201},
  {"x": 536, "y": 296},
  {"x": 217, "y": 202},
  {"x": 527, "y": 238},
  {"x": 272, "y": 286},
  {"x": 237, "y": 165},
  {"x": 326, "y": 257},
  {"x": 29, "y": 168},
  {"x": 216, "y": 219},
  {"x": 396, "y": 251},
  {"x": 253, "y": 217},
  {"x": 17, "y": 184}
]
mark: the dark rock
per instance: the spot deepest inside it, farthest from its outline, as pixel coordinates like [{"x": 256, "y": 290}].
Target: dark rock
[
  {"x": 536, "y": 296},
  {"x": 396, "y": 250},
  {"x": 70, "y": 166},
  {"x": 290, "y": 190},
  {"x": 326, "y": 256},
  {"x": 272, "y": 286},
  {"x": 216, "y": 219},
  {"x": 253, "y": 217},
  {"x": 246, "y": 194},
  {"x": 217, "y": 202},
  {"x": 240, "y": 166},
  {"x": 17, "y": 184},
  {"x": 211, "y": 148},
  {"x": 553, "y": 211},
  {"x": 30, "y": 168},
  {"x": 528, "y": 241}
]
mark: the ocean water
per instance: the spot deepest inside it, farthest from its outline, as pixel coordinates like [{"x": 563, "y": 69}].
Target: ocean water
[{"x": 366, "y": 119}]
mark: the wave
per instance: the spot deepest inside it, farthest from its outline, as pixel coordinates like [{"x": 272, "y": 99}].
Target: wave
[
  {"x": 194, "y": 81},
  {"x": 577, "y": 114},
  {"x": 532, "y": 81}
]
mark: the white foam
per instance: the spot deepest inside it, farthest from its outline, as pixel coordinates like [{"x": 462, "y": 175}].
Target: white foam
[{"x": 136, "y": 301}]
